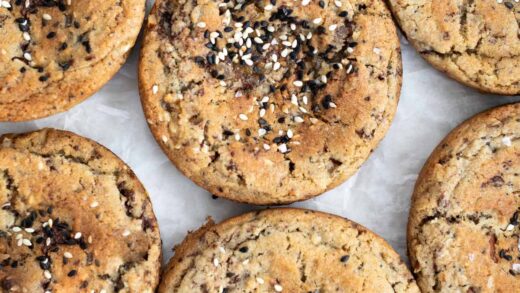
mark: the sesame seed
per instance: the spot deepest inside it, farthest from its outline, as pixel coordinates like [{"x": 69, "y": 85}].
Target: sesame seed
[
  {"x": 237, "y": 137},
  {"x": 29, "y": 230},
  {"x": 201, "y": 24},
  {"x": 215, "y": 262},
  {"x": 305, "y": 2},
  {"x": 260, "y": 280},
  {"x": 47, "y": 274},
  {"x": 506, "y": 140},
  {"x": 276, "y": 66},
  {"x": 377, "y": 51},
  {"x": 332, "y": 105},
  {"x": 261, "y": 132},
  {"x": 16, "y": 229},
  {"x": 243, "y": 117},
  {"x": 338, "y": 3},
  {"x": 298, "y": 83},
  {"x": 289, "y": 133},
  {"x": 46, "y": 16},
  {"x": 77, "y": 235},
  {"x": 27, "y": 56},
  {"x": 26, "y": 242},
  {"x": 317, "y": 20},
  {"x": 26, "y": 36},
  {"x": 126, "y": 233},
  {"x": 262, "y": 112},
  {"x": 298, "y": 119},
  {"x": 89, "y": 239},
  {"x": 266, "y": 147},
  {"x": 278, "y": 288},
  {"x": 332, "y": 27},
  {"x": 282, "y": 148},
  {"x": 5, "y": 4},
  {"x": 268, "y": 7},
  {"x": 350, "y": 49},
  {"x": 67, "y": 254},
  {"x": 94, "y": 204}
]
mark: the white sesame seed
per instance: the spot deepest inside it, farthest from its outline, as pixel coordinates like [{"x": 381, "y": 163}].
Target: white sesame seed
[
  {"x": 237, "y": 137},
  {"x": 20, "y": 242},
  {"x": 102, "y": 291},
  {"x": 94, "y": 204},
  {"x": 89, "y": 239},
  {"x": 249, "y": 62},
  {"x": 282, "y": 148},
  {"x": 51, "y": 222},
  {"x": 260, "y": 280},
  {"x": 222, "y": 83},
  {"x": 278, "y": 288},
  {"x": 305, "y": 2},
  {"x": 516, "y": 267},
  {"x": 303, "y": 110},
  {"x": 258, "y": 40},
  {"x": 26, "y": 242},
  {"x": 215, "y": 262},
  {"x": 46, "y": 16},
  {"x": 270, "y": 29},
  {"x": 289, "y": 133},
  {"x": 126, "y": 233},
  {"x": 298, "y": 119},
  {"x": 262, "y": 112},
  {"x": 16, "y": 229},
  {"x": 77, "y": 235},
  {"x": 29, "y": 230},
  {"x": 285, "y": 52},
  {"x": 333, "y": 27},
  {"x": 5, "y": 4},
  {"x": 266, "y": 147},
  {"x": 313, "y": 120},
  {"x": 276, "y": 66},
  {"x": 155, "y": 89},
  {"x": 293, "y": 26},
  {"x": 506, "y": 140},
  {"x": 305, "y": 100},
  {"x": 201, "y": 24},
  {"x": 298, "y": 83},
  {"x": 67, "y": 254},
  {"x": 338, "y": 3},
  {"x": 332, "y": 105},
  {"x": 47, "y": 274},
  {"x": 317, "y": 20},
  {"x": 19, "y": 236},
  {"x": 238, "y": 94},
  {"x": 261, "y": 132},
  {"x": 26, "y": 36},
  {"x": 27, "y": 56},
  {"x": 294, "y": 100},
  {"x": 268, "y": 7},
  {"x": 350, "y": 49},
  {"x": 377, "y": 51},
  {"x": 48, "y": 242},
  {"x": 323, "y": 78},
  {"x": 243, "y": 117}
]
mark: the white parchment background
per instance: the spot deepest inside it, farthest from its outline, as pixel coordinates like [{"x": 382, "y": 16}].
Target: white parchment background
[{"x": 377, "y": 196}]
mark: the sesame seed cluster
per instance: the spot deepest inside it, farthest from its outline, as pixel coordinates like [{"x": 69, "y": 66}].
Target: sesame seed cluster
[
  {"x": 73, "y": 218},
  {"x": 259, "y": 80}
]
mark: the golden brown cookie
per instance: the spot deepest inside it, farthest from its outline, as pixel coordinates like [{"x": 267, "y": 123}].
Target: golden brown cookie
[
  {"x": 73, "y": 218},
  {"x": 463, "y": 232},
  {"x": 286, "y": 250},
  {"x": 269, "y": 102},
  {"x": 56, "y": 53},
  {"x": 474, "y": 41}
]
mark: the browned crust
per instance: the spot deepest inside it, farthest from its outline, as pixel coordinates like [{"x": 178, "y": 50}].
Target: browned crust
[
  {"x": 191, "y": 244},
  {"x": 75, "y": 145},
  {"x": 148, "y": 78}
]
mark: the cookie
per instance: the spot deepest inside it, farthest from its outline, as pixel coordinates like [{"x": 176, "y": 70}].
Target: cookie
[
  {"x": 285, "y": 250},
  {"x": 269, "y": 102},
  {"x": 463, "y": 233},
  {"x": 73, "y": 218},
  {"x": 56, "y": 53},
  {"x": 475, "y": 42}
]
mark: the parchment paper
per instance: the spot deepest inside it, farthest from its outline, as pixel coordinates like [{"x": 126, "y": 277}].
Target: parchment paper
[{"x": 377, "y": 196}]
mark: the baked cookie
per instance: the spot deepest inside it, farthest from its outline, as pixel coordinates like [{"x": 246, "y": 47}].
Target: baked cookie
[
  {"x": 56, "y": 53},
  {"x": 475, "y": 42},
  {"x": 269, "y": 102},
  {"x": 285, "y": 250},
  {"x": 73, "y": 218},
  {"x": 463, "y": 233}
]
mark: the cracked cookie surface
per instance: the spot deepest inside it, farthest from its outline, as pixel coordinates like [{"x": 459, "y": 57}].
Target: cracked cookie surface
[
  {"x": 463, "y": 231},
  {"x": 285, "y": 250},
  {"x": 269, "y": 102},
  {"x": 476, "y": 42},
  {"x": 56, "y": 53},
  {"x": 73, "y": 218}
]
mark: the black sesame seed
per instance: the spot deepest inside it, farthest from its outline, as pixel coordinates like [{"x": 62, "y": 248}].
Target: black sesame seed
[
  {"x": 51, "y": 35},
  {"x": 43, "y": 78},
  {"x": 72, "y": 273},
  {"x": 248, "y": 132},
  {"x": 23, "y": 69},
  {"x": 63, "y": 46},
  {"x": 343, "y": 14},
  {"x": 199, "y": 60},
  {"x": 322, "y": 4},
  {"x": 344, "y": 258},
  {"x": 228, "y": 29},
  {"x": 244, "y": 249}
]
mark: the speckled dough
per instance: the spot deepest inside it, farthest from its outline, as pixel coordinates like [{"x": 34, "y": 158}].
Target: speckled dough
[
  {"x": 269, "y": 102},
  {"x": 73, "y": 218},
  {"x": 476, "y": 42},
  {"x": 56, "y": 53},
  {"x": 286, "y": 250},
  {"x": 463, "y": 233}
]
